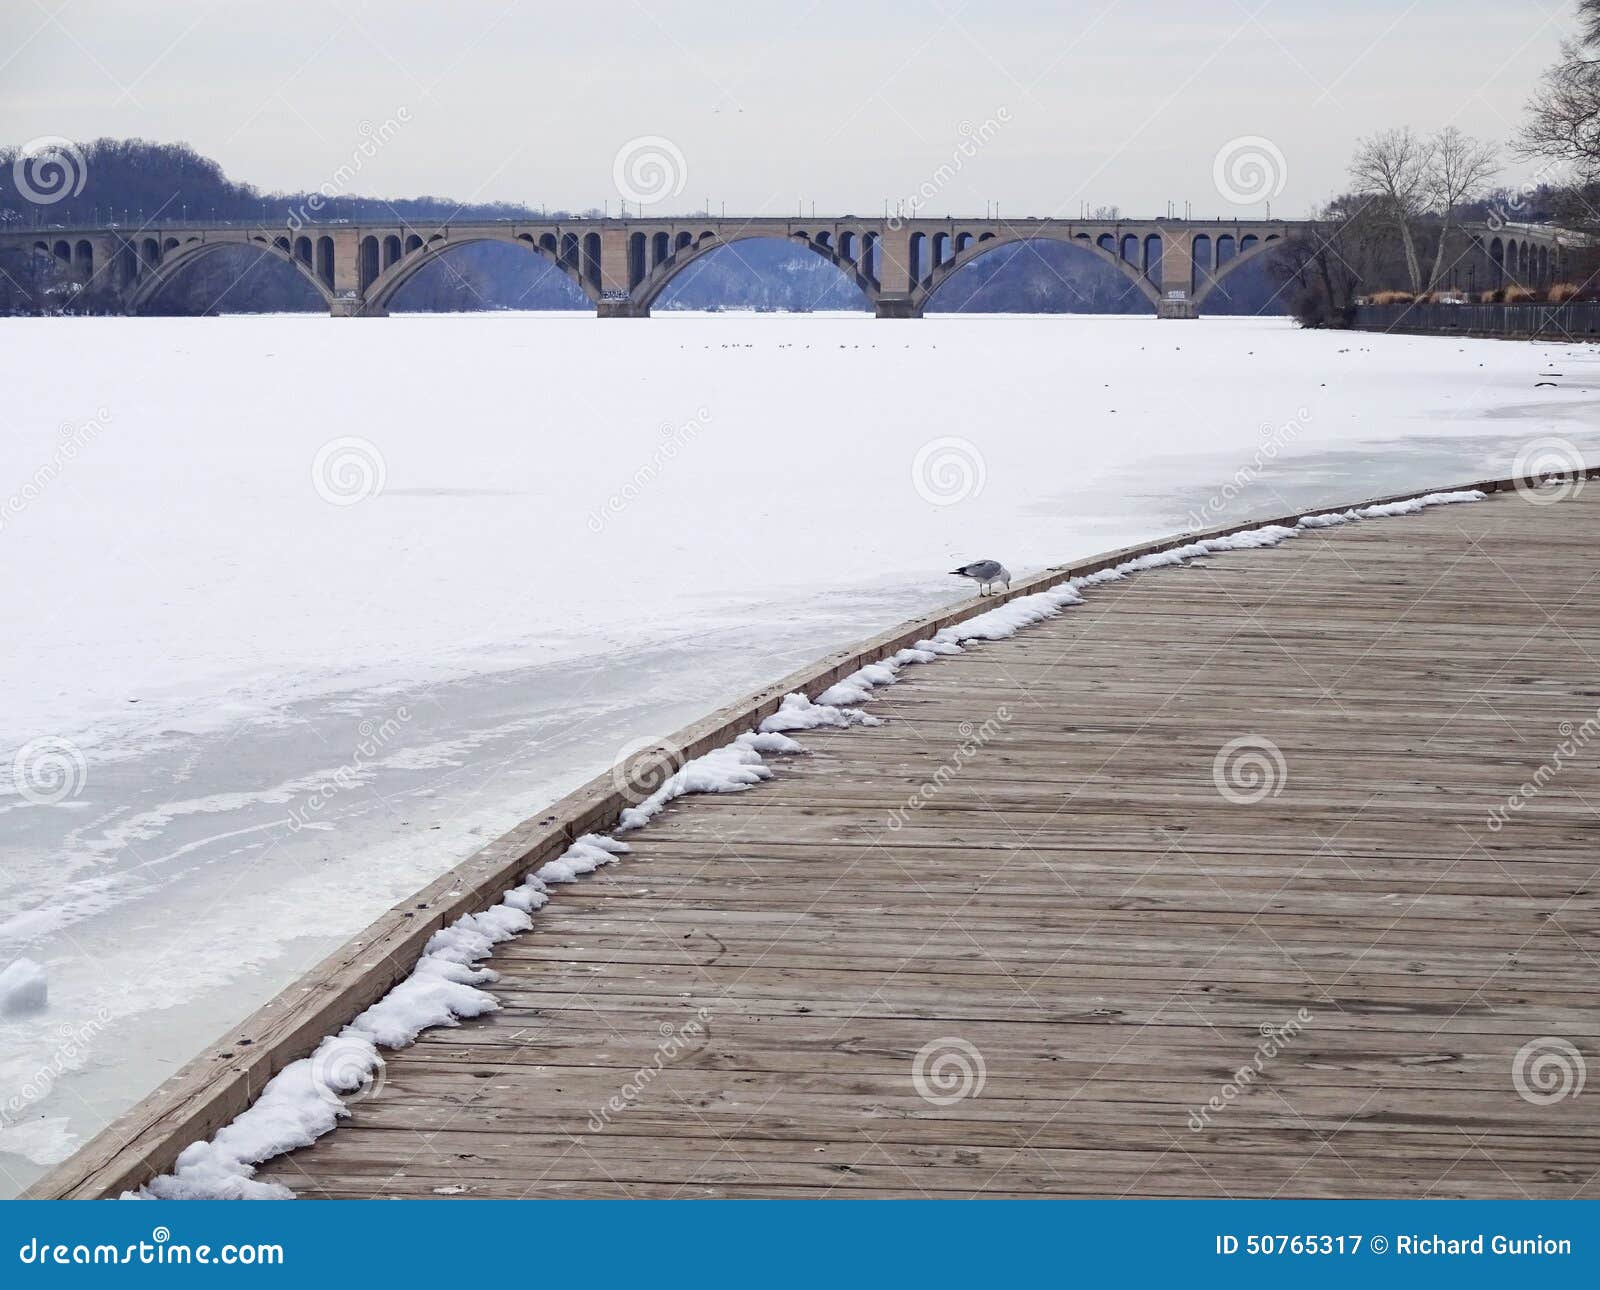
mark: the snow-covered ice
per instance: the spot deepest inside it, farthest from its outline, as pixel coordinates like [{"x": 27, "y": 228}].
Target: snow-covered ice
[
  {"x": 292, "y": 708},
  {"x": 189, "y": 529}
]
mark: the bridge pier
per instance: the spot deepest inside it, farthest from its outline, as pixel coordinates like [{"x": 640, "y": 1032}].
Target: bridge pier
[
  {"x": 1177, "y": 279},
  {"x": 896, "y": 307},
  {"x": 621, "y": 309}
]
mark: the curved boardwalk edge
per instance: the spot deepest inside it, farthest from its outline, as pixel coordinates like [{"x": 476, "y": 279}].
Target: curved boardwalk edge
[{"x": 214, "y": 1088}]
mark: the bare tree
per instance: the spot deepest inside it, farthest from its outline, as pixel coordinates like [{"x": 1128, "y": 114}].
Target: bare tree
[
  {"x": 1564, "y": 114},
  {"x": 1328, "y": 265},
  {"x": 1395, "y": 168},
  {"x": 1459, "y": 167}
]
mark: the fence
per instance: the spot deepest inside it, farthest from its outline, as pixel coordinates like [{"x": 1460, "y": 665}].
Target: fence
[{"x": 1552, "y": 322}]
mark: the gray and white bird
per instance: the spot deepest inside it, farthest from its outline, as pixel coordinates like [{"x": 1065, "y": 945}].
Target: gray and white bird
[{"x": 985, "y": 573}]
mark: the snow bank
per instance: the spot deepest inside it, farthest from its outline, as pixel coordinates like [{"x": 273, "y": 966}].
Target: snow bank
[
  {"x": 1327, "y": 520},
  {"x": 1008, "y": 619},
  {"x": 1385, "y": 510},
  {"x": 858, "y": 686},
  {"x": 729, "y": 769},
  {"x": 304, "y": 1100},
  {"x": 585, "y": 855},
  {"x": 23, "y": 988},
  {"x": 799, "y": 713}
]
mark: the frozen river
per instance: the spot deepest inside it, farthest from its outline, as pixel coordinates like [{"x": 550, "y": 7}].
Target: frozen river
[{"x": 303, "y": 611}]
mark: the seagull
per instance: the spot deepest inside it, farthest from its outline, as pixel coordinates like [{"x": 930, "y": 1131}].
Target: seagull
[{"x": 985, "y": 573}]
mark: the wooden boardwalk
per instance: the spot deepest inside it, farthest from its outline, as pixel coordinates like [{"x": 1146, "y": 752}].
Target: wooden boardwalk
[{"x": 1050, "y": 980}]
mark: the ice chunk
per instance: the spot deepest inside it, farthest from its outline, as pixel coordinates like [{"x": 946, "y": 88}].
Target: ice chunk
[{"x": 23, "y": 989}]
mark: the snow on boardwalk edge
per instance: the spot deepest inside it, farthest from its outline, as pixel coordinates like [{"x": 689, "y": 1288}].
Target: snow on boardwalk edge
[{"x": 304, "y": 1100}]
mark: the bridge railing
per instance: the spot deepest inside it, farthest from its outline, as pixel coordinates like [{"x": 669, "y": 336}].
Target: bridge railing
[
  {"x": 275, "y": 222},
  {"x": 132, "y": 222}
]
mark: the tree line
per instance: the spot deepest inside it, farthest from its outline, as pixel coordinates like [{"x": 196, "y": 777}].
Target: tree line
[{"x": 1397, "y": 233}]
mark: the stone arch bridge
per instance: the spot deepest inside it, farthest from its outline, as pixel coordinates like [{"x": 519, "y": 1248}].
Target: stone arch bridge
[{"x": 623, "y": 265}]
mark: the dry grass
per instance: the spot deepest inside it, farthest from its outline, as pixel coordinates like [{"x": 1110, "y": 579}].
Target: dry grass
[
  {"x": 1391, "y": 298},
  {"x": 1562, "y": 291},
  {"x": 1518, "y": 295}
]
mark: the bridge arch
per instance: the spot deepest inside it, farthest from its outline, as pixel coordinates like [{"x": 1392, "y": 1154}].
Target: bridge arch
[
  {"x": 855, "y": 267},
  {"x": 176, "y": 258},
  {"x": 565, "y": 255},
  {"x": 1107, "y": 247},
  {"x": 1209, "y": 275}
]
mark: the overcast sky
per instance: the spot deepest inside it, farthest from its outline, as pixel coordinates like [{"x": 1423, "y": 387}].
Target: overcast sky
[{"x": 765, "y": 107}]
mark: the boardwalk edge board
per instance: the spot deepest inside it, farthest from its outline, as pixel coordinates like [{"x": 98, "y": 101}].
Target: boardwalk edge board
[{"x": 222, "y": 1081}]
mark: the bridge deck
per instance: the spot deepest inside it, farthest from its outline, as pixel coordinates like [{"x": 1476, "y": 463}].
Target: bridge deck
[{"x": 1083, "y": 913}]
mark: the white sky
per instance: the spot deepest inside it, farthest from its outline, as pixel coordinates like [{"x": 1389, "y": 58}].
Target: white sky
[{"x": 838, "y": 102}]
